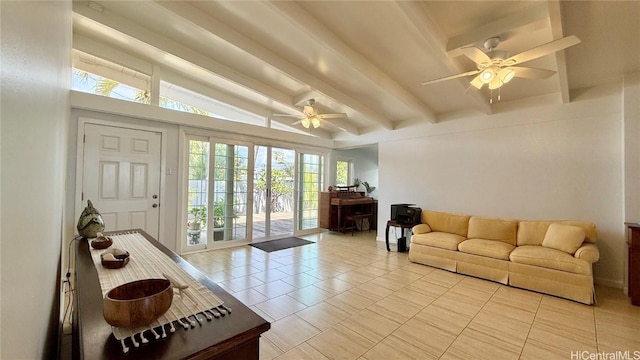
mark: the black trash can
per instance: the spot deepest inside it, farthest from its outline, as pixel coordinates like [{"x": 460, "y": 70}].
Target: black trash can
[{"x": 402, "y": 244}]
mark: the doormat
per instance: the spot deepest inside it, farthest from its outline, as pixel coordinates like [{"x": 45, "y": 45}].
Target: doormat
[{"x": 281, "y": 244}]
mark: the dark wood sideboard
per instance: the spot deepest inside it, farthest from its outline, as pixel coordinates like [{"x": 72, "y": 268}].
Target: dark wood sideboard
[
  {"x": 633, "y": 241},
  {"x": 235, "y": 336}
]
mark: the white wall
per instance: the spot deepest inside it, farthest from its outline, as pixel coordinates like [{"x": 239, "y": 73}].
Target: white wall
[
  {"x": 542, "y": 162},
  {"x": 631, "y": 115},
  {"x": 36, "y": 47}
]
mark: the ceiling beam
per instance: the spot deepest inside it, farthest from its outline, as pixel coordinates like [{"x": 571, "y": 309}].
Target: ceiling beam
[
  {"x": 428, "y": 29},
  {"x": 324, "y": 37},
  {"x": 555, "y": 18},
  {"x": 301, "y": 99},
  {"x": 180, "y": 52},
  {"x": 218, "y": 28},
  {"x": 344, "y": 125},
  {"x": 536, "y": 13}
]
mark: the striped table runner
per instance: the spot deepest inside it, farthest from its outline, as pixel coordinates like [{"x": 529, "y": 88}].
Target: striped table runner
[{"x": 148, "y": 262}]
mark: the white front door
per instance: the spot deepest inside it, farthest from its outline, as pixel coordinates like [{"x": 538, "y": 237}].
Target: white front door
[{"x": 121, "y": 176}]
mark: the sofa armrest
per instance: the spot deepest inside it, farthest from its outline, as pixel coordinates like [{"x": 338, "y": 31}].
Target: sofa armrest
[
  {"x": 588, "y": 252},
  {"x": 421, "y": 229}
]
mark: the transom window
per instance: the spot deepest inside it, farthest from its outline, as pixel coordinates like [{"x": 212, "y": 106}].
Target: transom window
[{"x": 95, "y": 75}]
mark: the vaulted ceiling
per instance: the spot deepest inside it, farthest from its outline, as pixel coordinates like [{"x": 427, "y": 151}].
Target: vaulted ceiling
[{"x": 366, "y": 58}]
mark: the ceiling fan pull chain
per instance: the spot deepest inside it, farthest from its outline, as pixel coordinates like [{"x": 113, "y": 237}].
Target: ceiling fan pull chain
[
  {"x": 499, "y": 93},
  {"x": 491, "y": 96}
]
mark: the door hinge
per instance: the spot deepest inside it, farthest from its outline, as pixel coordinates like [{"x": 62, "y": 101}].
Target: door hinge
[
  {"x": 84, "y": 139},
  {"x": 82, "y": 196}
]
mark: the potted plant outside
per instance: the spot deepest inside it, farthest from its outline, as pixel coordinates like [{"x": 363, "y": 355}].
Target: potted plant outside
[{"x": 199, "y": 218}]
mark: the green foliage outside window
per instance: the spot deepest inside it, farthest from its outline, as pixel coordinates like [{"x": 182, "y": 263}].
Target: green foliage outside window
[
  {"x": 342, "y": 173},
  {"x": 282, "y": 173}
]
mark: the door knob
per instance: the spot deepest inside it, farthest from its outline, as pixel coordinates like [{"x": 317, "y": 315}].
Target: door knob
[
  {"x": 154, "y": 205},
  {"x": 154, "y": 196}
]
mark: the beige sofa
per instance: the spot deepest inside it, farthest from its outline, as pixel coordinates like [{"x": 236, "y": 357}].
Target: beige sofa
[{"x": 552, "y": 257}]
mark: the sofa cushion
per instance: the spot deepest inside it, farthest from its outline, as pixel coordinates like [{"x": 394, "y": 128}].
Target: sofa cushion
[
  {"x": 532, "y": 232},
  {"x": 493, "y": 229},
  {"x": 590, "y": 233},
  {"x": 446, "y": 222},
  {"x": 441, "y": 240},
  {"x": 567, "y": 238},
  {"x": 421, "y": 229},
  {"x": 549, "y": 258},
  {"x": 490, "y": 248}
]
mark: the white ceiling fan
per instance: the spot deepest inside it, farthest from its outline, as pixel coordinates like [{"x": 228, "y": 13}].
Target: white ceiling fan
[
  {"x": 310, "y": 116},
  {"x": 496, "y": 68}
]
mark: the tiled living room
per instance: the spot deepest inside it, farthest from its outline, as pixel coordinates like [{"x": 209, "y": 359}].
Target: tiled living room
[
  {"x": 346, "y": 297},
  {"x": 321, "y": 79}
]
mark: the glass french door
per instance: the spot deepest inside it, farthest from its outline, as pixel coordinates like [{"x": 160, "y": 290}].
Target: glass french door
[
  {"x": 229, "y": 195},
  {"x": 273, "y": 192},
  {"x": 239, "y": 192},
  {"x": 310, "y": 183},
  {"x": 218, "y": 180}
]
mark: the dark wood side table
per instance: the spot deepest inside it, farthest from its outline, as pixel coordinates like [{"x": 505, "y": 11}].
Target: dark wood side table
[
  {"x": 402, "y": 227},
  {"x": 234, "y": 336},
  {"x": 633, "y": 240}
]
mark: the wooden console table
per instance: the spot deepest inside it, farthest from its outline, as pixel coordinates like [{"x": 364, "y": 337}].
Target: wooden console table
[
  {"x": 234, "y": 336},
  {"x": 633, "y": 240},
  {"x": 401, "y": 225}
]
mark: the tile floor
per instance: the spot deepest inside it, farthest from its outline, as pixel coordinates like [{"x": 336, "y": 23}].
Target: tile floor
[{"x": 346, "y": 297}]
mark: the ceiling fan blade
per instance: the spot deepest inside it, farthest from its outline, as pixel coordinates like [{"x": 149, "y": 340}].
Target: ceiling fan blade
[
  {"x": 477, "y": 55},
  {"x": 532, "y": 73},
  {"x": 332, "y": 116},
  {"x": 451, "y": 77},
  {"x": 542, "y": 50}
]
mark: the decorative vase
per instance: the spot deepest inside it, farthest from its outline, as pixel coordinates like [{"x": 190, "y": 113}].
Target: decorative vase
[{"x": 90, "y": 222}]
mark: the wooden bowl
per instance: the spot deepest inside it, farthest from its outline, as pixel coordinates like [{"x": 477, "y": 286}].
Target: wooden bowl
[
  {"x": 137, "y": 303},
  {"x": 114, "y": 258},
  {"x": 101, "y": 242}
]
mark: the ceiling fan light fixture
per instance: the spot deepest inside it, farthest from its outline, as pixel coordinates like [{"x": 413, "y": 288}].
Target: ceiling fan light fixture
[
  {"x": 315, "y": 122},
  {"x": 506, "y": 75},
  {"x": 495, "y": 83},
  {"x": 487, "y": 75},
  {"x": 477, "y": 82},
  {"x": 306, "y": 123}
]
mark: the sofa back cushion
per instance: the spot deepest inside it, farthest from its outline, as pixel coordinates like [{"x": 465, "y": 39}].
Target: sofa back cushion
[
  {"x": 533, "y": 232},
  {"x": 563, "y": 237},
  {"x": 590, "y": 233},
  {"x": 493, "y": 229},
  {"x": 446, "y": 222}
]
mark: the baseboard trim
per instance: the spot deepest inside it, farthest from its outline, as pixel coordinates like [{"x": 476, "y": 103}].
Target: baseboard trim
[{"x": 616, "y": 284}]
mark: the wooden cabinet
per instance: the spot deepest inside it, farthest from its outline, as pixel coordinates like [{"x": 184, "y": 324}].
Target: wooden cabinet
[
  {"x": 327, "y": 221},
  {"x": 633, "y": 241},
  {"x": 335, "y": 206}
]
